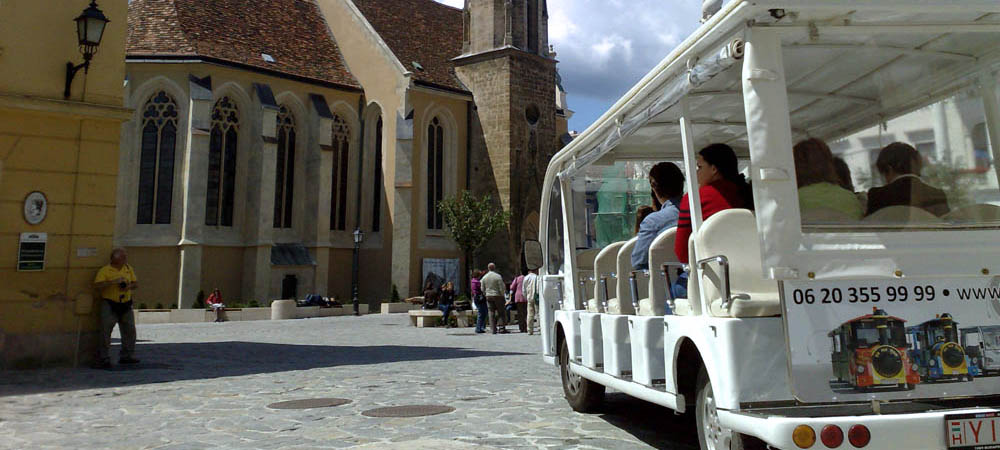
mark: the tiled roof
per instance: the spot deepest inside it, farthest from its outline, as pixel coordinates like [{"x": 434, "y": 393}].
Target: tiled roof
[
  {"x": 421, "y": 31},
  {"x": 293, "y": 32}
]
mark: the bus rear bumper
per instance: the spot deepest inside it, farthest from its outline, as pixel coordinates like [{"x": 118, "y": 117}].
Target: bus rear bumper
[{"x": 912, "y": 431}]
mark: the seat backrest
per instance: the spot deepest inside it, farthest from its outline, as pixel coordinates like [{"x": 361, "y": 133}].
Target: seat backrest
[
  {"x": 983, "y": 212},
  {"x": 605, "y": 264},
  {"x": 901, "y": 215},
  {"x": 585, "y": 258},
  {"x": 661, "y": 250},
  {"x": 733, "y": 234},
  {"x": 622, "y": 289}
]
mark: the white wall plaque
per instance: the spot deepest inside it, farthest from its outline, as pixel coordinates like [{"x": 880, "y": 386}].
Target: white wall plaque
[{"x": 36, "y": 206}]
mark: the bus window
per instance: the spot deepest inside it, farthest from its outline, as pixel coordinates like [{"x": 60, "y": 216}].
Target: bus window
[
  {"x": 607, "y": 198},
  {"x": 554, "y": 240},
  {"x": 929, "y": 168},
  {"x": 865, "y": 334}
]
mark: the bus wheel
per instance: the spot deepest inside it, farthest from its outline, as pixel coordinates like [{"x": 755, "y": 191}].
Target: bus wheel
[
  {"x": 711, "y": 434},
  {"x": 582, "y": 394}
]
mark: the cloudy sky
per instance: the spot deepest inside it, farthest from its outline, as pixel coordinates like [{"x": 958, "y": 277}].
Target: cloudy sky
[{"x": 605, "y": 46}]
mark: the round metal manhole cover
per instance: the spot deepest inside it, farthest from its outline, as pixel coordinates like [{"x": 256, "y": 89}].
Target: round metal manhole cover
[
  {"x": 310, "y": 403},
  {"x": 408, "y": 411}
]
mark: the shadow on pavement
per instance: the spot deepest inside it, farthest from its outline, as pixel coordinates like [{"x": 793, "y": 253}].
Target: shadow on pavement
[
  {"x": 653, "y": 424},
  {"x": 205, "y": 360}
]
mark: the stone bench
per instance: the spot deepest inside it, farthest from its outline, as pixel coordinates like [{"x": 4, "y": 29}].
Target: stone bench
[{"x": 423, "y": 318}]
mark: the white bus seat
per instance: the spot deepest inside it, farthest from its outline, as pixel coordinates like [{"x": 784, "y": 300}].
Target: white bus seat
[
  {"x": 979, "y": 213},
  {"x": 605, "y": 264},
  {"x": 585, "y": 272},
  {"x": 622, "y": 303},
  {"x": 901, "y": 215},
  {"x": 733, "y": 233},
  {"x": 661, "y": 251}
]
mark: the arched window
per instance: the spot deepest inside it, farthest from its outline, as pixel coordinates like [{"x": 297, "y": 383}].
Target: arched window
[
  {"x": 284, "y": 173},
  {"x": 156, "y": 159},
  {"x": 533, "y": 26},
  {"x": 222, "y": 164},
  {"x": 435, "y": 173},
  {"x": 341, "y": 149},
  {"x": 377, "y": 178}
]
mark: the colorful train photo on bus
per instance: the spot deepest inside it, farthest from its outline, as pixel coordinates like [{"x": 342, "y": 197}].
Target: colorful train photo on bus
[
  {"x": 937, "y": 352},
  {"x": 871, "y": 352}
]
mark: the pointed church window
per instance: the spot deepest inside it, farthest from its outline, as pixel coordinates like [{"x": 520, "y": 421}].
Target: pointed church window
[
  {"x": 435, "y": 174},
  {"x": 156, "y": 159},
  {"x": 341, "y": 161},
  {"x": 377, "y": 179},
  {"x": 284, "y": 173},
  {"x": 219, "y": 197}
]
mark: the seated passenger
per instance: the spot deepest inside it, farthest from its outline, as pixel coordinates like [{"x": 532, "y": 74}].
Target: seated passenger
[
  {"x": 721, "y": 187},
  {"x": 818, "y": 182},
  {"x": 640, "y": 215},
  {"x": 900, "y": 165},
  {"x": 667, "y": 183}
]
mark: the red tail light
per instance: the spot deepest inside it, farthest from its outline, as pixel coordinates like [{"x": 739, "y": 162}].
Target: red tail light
[
  {"x": 832, "y": 436},
  {"x": 859, "y": 436}
]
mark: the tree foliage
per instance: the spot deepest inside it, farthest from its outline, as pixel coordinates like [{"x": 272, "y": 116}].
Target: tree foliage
[{"x": 472, "y": 221}]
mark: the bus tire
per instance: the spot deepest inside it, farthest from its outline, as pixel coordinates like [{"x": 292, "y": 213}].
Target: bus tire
[
  {"x": 711, "y": 434},
  {"x": 582, "y": 394}
]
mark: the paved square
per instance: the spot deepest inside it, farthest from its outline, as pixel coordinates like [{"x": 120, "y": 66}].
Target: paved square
[{"x": 208, "y": 385}]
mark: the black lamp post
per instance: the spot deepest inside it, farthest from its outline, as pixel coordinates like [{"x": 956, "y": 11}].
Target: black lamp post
[
  {"x": 359, "y": 236},
  {"x": 89, "y": 29}
]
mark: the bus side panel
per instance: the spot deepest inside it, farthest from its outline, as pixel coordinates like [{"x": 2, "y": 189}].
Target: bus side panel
[
  {"x": 548, "y": 303},
  {"x": 745, "y": 358}
]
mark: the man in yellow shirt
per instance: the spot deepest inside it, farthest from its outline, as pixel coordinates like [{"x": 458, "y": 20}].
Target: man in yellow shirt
[{"x": 115, "y": 282}]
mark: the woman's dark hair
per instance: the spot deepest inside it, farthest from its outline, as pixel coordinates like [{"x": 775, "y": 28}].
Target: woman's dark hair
[
  {"x": 814, "y": 163},
  {"x": 666, "y": 179},
  {"x": 900, "y": 157},
  {"x": 844, "y": 172},
  {"x": 723, "y": 158},
  {"x": 640, "y": 215}
]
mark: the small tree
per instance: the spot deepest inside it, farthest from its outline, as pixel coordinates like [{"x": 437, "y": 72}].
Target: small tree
[{"x": 471, "y": 221}]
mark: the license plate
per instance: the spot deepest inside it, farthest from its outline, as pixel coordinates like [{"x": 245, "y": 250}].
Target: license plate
[{"x": 976, "y": 431}]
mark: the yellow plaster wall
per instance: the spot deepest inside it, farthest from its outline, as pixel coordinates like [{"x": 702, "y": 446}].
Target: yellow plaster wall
[
  {"x": 38, "y": 38},
  {"x": 222, "y": 267},
  {"x": 157, "y": 269}
]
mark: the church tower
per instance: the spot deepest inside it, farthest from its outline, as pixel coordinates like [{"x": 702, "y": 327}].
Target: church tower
[{"x": 507, "y": 65}]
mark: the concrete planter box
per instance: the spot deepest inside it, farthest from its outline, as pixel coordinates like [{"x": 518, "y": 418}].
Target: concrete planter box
[
  {"x": 392, "y": 308},
  {"x": 191, "y": 316},
  {"x": 256, "y": 314},
  {"x": 152, "y": 316}
]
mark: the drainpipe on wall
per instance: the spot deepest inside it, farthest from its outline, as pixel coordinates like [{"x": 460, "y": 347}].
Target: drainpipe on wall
[{"x": 467, "y": 267}]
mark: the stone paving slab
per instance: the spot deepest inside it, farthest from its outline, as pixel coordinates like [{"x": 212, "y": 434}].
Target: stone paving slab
[{"x": 207, "y": 385}]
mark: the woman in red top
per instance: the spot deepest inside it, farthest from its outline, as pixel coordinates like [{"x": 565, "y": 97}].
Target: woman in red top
[{"x": 721, "y": 187}]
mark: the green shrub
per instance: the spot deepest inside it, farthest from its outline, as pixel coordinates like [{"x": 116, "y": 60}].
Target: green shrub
[
  {"x": 142, "y": 306},
  {"x": 253, "y": 304},
  {"x": 159, "y": 306},
  {"x": 395, "y": 295},
  {"x": 199, "y": 300}
]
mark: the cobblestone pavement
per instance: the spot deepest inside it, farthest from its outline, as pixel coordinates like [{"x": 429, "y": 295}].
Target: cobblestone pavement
[{"x": 208, "y": 385}]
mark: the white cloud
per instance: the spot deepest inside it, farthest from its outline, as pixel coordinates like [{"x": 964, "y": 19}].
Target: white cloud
[{"x": 606, "y": 46}]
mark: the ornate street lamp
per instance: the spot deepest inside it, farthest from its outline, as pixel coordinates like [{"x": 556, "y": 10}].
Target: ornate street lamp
[
  {"x": 359, "y": 236},
  {"x": 89, "y": 29}
]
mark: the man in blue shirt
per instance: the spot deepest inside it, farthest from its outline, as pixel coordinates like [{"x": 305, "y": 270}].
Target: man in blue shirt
[{"x": 667, "y": 183}]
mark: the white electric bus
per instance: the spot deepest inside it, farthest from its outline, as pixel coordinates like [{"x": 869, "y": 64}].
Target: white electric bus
[{"x": 793, "y": 332}]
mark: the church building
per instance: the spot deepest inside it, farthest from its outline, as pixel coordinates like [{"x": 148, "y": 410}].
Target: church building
[{"x": 265, "y": 132}]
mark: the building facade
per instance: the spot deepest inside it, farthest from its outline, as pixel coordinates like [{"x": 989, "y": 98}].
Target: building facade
[
  {"x": 260, "y": 140},
  {"x": 58, "y": 172}
]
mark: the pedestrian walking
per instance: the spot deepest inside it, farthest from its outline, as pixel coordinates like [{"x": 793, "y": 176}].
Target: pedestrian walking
[
  {"x": 479, "y": 300},
  {"x": 530, "y": 291},
  {"x": 494, "y": 288},
  {"x": 520, "y": 305},
  {"x": 116, "y": 282}
]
